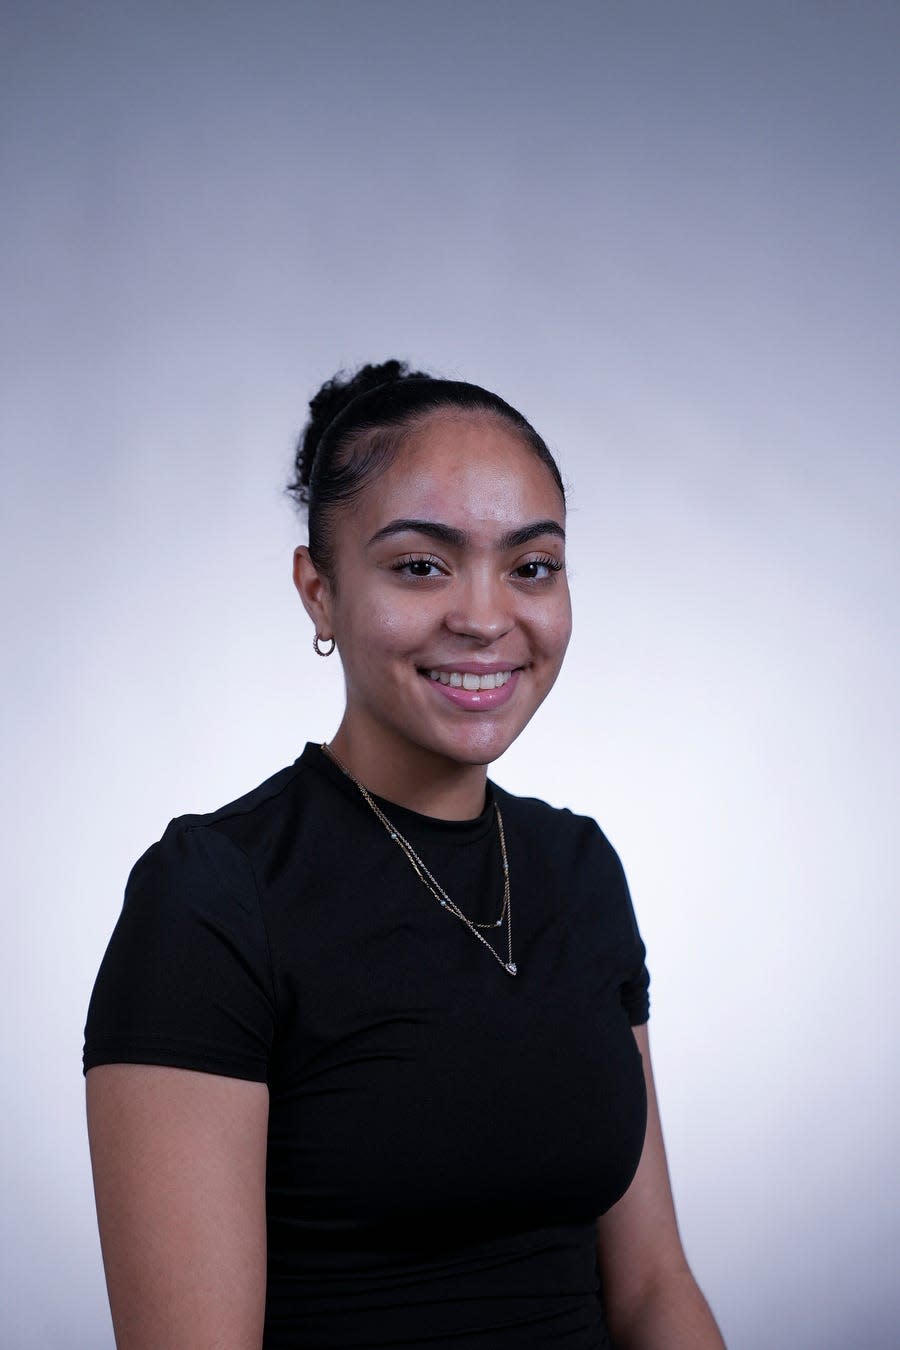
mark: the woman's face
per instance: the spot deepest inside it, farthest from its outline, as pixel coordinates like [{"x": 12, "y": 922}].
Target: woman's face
[{"x": 452, "y": 612}]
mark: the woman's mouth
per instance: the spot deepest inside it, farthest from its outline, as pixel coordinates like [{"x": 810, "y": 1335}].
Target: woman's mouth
[
  {"x": 472, "y": 692},
  {"x": 464, "y": 679}
]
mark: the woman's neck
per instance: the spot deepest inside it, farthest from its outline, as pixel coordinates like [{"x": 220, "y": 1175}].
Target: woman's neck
[{"x": 409, "y": 774}]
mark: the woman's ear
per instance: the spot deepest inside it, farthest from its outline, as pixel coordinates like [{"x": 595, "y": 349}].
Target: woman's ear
[{"x": 314, "y": 590}]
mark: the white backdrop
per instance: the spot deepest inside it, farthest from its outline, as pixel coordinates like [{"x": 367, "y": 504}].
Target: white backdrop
[{"x": 668, "y": 233}]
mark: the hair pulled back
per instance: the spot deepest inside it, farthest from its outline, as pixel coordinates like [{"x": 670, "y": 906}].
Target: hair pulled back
[{"x": 357, "y": 424}]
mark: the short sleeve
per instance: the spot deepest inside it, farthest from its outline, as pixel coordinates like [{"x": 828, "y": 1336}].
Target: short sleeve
[
  {"x": 634, "y": 993},
  {"x": 186, "y": 979},
  {"x": 634, "y": 989}
]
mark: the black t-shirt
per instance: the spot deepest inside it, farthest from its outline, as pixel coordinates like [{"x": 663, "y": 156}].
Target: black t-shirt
[{"x": 442, "y": 1134}]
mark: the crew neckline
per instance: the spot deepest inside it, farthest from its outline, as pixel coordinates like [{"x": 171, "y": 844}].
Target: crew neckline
[{"x": 410, "y": 822}]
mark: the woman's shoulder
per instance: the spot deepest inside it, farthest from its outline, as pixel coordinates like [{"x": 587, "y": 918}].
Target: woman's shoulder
[
  {"x": 533, "y": 813},
  {"x": 241, "y": 825},
  {"x": 265, "y": 796}
]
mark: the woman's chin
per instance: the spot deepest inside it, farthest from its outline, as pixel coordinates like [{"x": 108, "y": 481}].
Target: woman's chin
[{"x": 478, "y": 744}]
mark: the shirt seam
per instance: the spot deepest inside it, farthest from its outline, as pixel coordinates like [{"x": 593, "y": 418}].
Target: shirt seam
[
  {"x": 262, "y": 918},
  {"x": 204, "y": 819}
]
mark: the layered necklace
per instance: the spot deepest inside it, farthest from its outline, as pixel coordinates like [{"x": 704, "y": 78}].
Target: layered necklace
[{"x": 428, "y": 880}]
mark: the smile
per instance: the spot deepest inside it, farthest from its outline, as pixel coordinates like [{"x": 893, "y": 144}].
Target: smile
[
  {"x": 470, "y": 692},
  {"x": 464, "y": 679}
]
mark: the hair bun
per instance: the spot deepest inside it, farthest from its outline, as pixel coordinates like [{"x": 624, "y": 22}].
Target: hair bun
[{"x": 331, "y": 399}]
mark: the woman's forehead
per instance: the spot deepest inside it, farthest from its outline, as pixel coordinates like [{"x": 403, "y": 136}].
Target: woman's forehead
[{"x": 476, "y": 465}]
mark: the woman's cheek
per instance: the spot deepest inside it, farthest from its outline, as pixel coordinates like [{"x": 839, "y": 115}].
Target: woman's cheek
[
  {"x": 552, "y": 624},
  {"x": 399, "y": 624}
]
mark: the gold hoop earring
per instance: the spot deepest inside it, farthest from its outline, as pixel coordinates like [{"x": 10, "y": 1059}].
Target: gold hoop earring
[{"x": 318, "y": 649}]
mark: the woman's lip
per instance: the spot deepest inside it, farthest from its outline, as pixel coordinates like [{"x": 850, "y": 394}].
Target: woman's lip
[
  {"x": 474, "y": 667},
  {"x": 475, "y": 700}
]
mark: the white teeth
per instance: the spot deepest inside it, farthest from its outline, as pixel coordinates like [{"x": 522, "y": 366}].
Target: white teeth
[{"x": 468, "y": 680}]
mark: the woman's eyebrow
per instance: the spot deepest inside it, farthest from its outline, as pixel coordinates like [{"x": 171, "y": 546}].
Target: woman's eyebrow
[
  {"x": 528, "y": 532},
  {"x": 448, "y": 534}
]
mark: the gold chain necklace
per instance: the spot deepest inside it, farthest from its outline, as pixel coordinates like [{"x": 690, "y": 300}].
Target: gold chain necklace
[{"x": 428, "y": 880}]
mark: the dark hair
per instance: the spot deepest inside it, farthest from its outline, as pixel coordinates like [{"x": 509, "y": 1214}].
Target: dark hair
[{"x": 358, "y": 423}]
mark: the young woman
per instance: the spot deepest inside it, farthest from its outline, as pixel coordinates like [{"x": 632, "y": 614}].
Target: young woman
[{"x": 367, "y": 1058}]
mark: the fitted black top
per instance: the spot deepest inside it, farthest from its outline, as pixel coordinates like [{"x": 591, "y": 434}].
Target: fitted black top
[{"x": 442, "y": 1134}]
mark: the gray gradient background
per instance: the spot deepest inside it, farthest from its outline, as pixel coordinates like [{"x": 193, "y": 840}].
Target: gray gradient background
[{"x": 667, "y": 231}]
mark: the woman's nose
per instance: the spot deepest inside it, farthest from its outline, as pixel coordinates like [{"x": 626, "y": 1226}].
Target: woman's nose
[{"x": 480, "y": 610}]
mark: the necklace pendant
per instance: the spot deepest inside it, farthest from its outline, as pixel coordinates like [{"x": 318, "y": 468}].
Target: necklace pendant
[{"x": 511, "y": 967}]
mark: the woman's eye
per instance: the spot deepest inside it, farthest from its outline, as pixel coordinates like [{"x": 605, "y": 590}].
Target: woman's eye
[
  {"x": 417, "y": 567},
  {"x": 424, "y": 569},
  {"x": 538, "y": 569}
]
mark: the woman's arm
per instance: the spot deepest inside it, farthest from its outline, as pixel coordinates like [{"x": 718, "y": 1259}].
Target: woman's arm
[
  {"x": 179, "y": 1164},
  {"x": 651, "y": 1298}
]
